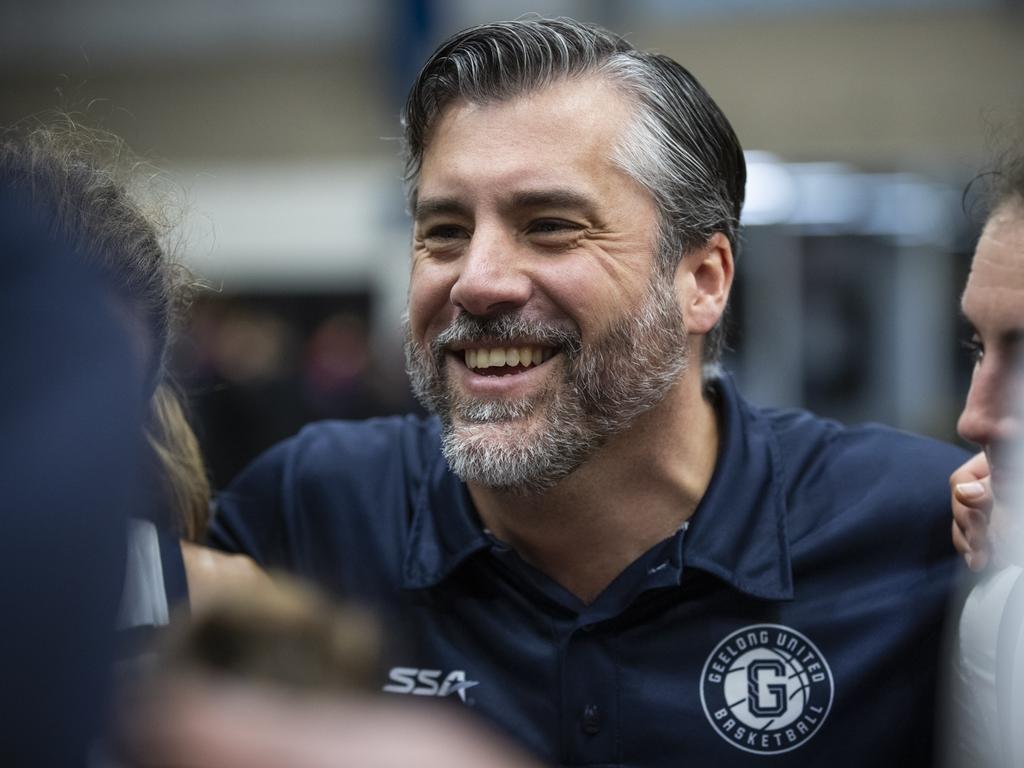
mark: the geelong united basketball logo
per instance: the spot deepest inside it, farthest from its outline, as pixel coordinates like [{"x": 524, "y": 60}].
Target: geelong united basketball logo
[{"x": 766, "y": 689}]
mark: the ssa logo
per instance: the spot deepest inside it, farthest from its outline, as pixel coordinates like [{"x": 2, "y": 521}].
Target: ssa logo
[
  {"x": 766, "y": 689},
  {"x": 428, "y": 682}
]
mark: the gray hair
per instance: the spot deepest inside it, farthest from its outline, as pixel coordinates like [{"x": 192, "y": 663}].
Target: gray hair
[{"x": 680, "y": 146}]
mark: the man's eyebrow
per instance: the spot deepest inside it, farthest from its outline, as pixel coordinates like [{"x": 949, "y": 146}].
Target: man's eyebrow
[
  {"x": 551, "y": 198},
  {"x": 1007, "y": 338},
  {"x": 1012, "y": 337},
  {"x": 542, "y": 198},
  {"x": 439, "y": 206}
]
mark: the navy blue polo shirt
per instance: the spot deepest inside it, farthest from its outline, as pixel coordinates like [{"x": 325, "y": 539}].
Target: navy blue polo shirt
[{"x": 795, "y": 620}]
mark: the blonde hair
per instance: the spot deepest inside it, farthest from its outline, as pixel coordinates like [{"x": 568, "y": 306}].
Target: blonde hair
[{"x": 185, "y": 483}]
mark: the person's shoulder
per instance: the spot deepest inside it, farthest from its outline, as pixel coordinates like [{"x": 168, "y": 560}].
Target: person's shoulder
[
  {"x": 338, "y": 462},
  {"x": 868, "y": 447},
  {"x": 368, "y": 464},
  {"x": 850, "y": 461},
  {"x": 326, "y": 497},
  {"x": 408, "y": 436},
  {"x": 865, "y": 478},
  {"x": 902, "y": 456}
]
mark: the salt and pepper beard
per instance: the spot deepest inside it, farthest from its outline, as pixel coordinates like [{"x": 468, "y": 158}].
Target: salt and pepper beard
[{"x": 603, "y": 387}]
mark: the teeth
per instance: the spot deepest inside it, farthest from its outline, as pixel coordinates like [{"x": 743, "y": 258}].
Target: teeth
[{"x": 510, "y": 356}]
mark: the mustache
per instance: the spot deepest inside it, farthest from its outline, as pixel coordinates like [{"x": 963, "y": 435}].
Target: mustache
[{"x": 506, "y": 329}]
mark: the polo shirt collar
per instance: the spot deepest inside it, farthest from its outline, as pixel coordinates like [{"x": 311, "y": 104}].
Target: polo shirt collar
[
  {"x": 445, "y": 527},
  {"x": 738, "y": 532}
]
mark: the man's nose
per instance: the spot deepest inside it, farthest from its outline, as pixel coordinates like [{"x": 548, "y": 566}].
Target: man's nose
[
  {"x": 491, "y": 279},
  {"x": 990, "y": 415}
]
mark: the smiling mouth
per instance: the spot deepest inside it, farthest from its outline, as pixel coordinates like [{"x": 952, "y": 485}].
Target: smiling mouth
[{"x": 504, "y": 361}]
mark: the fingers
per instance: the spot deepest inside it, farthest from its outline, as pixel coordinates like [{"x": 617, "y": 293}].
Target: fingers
[
  {"x": 975, "y": 468},
  {"x": 976, "y": 494},
  {"x": 976, "y": 557},
  {"x": 972, "y": 502}
]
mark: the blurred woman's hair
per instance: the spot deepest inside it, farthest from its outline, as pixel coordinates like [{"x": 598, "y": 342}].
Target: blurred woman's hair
[
  {"x": 86, "y": 186},
  {"x": 186, "y": 484}
]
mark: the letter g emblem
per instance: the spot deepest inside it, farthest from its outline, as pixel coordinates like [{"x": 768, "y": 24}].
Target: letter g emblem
[{"x": 766, "y": 684}]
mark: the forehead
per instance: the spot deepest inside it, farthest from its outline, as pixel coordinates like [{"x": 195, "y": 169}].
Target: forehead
[
  {"x": 999, "y": 258},
  {"x": 567, "y": 131},
  {"x": 995, "y": 287}
]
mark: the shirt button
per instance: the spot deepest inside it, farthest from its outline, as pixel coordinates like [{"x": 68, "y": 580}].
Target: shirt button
[
  {"x": 587, "y": 627},
  {"x": 591, "y": 722}
]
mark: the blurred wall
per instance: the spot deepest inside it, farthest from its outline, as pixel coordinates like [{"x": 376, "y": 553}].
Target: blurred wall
[
  {"x": 227, "y": 82},
  {"x": 278, "y": 122}
]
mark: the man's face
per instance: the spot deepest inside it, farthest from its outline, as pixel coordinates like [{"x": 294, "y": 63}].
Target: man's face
[
  {"x": 993, "y": 303},
  {"x": 538, "y": 325}
]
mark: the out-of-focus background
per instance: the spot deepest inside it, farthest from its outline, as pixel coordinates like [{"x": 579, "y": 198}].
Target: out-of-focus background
[{"x": 863, "y": 120}]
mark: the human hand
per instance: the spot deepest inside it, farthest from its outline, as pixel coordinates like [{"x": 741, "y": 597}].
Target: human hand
[
  {"x": 972, "y": 503},
  {"x": 221, "y": 724},
  {"x": 212, "y": 574}
]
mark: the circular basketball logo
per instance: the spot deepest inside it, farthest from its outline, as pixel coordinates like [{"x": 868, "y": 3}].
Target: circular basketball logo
[{"x": 766, "y": 689}]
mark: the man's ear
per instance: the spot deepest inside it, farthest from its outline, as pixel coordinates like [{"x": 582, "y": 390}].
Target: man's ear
[{"x": 703, "y": 282}]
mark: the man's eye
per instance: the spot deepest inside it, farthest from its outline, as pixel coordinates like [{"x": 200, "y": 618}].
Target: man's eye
[
  {"x": 975, "y": 349},
  {"x": 553, "y": 227},
  {"x": 441, "y": 235},
  {"x": 445, "y": 231}
]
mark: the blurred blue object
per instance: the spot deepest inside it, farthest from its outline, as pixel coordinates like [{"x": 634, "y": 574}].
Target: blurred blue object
[{"x": 71, "y": 401}]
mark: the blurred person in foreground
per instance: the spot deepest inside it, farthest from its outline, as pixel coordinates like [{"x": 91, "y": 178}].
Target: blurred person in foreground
[
  {"x": 284, "y": 677},
  {"x": 73, "y": 396},
  {"x": 87, "y": 467},
  {"x": 595, "y": 542},
  {"x": 84, "y": 183},
  {"x": 990, "y": 701}
]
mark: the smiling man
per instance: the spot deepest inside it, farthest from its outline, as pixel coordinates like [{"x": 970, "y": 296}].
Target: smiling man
[
  {"x": 595, "y": 542},
  {"x": 549, "y": 332}
]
